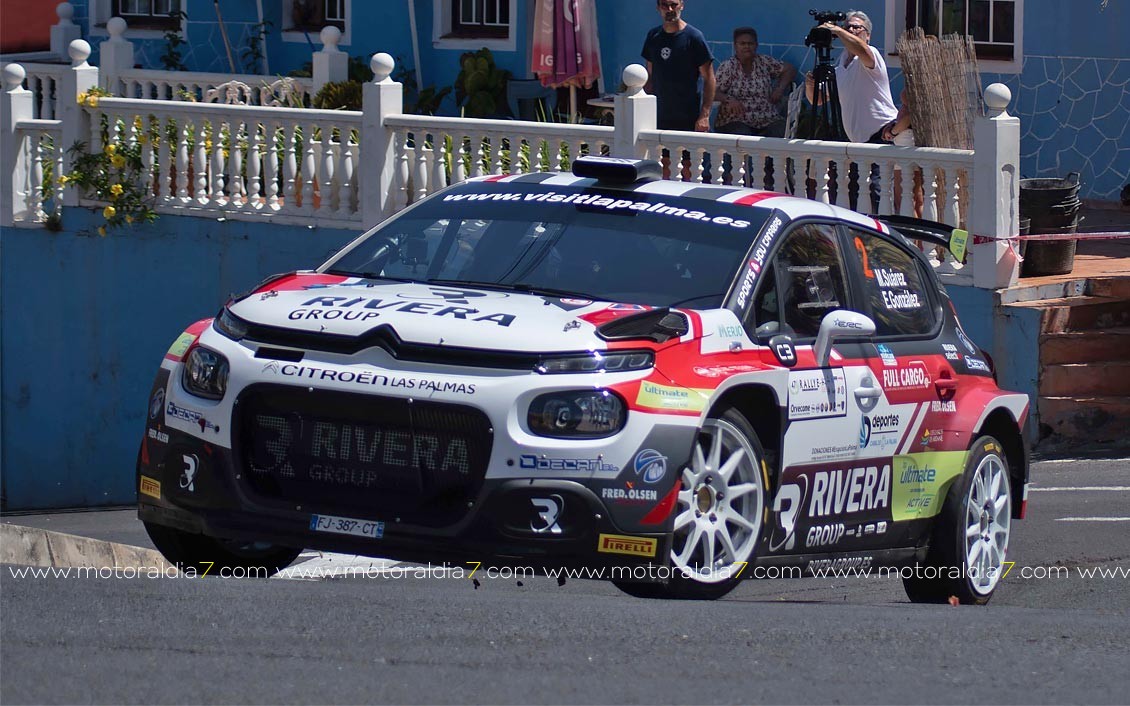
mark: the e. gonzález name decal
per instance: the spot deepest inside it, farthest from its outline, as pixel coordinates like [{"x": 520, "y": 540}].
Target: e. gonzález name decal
[{"x": 597, "y": 201}]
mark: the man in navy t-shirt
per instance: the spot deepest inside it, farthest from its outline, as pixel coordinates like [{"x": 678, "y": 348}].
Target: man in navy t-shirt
[{"x": 677, "y": 56}]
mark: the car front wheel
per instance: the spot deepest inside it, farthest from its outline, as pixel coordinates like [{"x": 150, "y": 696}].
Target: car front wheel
[
  {"x": 718, "y": 518},
  {"x": 969, "y": 544}
]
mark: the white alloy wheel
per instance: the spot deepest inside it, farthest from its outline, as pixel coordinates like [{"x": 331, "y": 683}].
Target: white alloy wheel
[
  {"x": 720, "y": 505},
  {"x": 988, "y": 510}
]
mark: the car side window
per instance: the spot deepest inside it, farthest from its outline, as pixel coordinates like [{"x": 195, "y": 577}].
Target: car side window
[
  {"x": 895, "y": 286},
  {"x": 805, "y": 281}
]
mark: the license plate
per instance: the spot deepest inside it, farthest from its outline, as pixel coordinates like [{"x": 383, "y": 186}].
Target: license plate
[{"x": 346, "y": 525}]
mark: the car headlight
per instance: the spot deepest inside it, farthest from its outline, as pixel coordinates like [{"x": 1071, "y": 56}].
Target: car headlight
[
  {"x": 230, "y": 325},
  {"x": 577, "y": 414},
  {"x": 597, "y": 363},
  {"x": 205, "y": 373}
]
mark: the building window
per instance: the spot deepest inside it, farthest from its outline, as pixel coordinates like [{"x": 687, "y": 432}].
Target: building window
[
  {"x": 993, "y": 24},
  {"x": 313, "y": 15},
  {"x": 148, "y": 14},
  {"x": 480, "y": 18}
]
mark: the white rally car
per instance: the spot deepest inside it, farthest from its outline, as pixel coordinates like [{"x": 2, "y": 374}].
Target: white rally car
[{"x": 675, "y": 382}]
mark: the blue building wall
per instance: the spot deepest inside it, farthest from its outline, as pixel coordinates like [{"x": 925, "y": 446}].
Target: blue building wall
[{"x": 84, "y": 323}]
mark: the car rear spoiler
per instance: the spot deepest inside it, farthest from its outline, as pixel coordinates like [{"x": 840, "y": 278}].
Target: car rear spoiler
[{"x": 953, "y": 239}]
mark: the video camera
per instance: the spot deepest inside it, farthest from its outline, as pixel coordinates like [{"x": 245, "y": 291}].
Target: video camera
[{"x": 818, "y": 36}]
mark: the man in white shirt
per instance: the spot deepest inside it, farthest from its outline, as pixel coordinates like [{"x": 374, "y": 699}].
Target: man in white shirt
[{"x": 866, "y": 107}]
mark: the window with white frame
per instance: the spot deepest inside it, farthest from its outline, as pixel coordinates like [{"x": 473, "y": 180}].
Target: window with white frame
[
  {"x": 994, "y": 25},
  {"x": 471, "y": 24},
  {"x": 480, "y": 18},
  {"x": 147, "y": 14},
  {"x": 313, "y": 15}
]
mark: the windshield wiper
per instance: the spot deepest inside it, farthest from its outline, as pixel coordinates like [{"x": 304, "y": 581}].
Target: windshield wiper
[
  {"x": 523, "y": 287},
  {"x": 368, "y": 275}
]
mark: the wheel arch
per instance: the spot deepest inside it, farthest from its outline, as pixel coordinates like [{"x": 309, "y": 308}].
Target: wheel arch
[
  {"x": 758, "y": 404},
  {"x": 1001, "y": 425}
]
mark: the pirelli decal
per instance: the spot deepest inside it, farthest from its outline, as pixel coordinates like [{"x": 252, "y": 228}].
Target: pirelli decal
[
  {"x": 150, "y": 487},
  {"x": 622, "y": 544}
]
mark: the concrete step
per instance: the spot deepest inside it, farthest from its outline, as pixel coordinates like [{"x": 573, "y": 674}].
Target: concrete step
[
  {"x": 1114, "y": 287},
  {"x": 1085, "y": 346},
  {"x": 1084, "y": 379},
  {"x": 1085, "y": 420},
  {"x": 1079, "y": 313}
]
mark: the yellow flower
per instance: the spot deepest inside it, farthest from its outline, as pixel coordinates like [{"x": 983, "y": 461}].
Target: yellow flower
[
  {"x": 118, "y": 161},
  {"x": 109, "y": 212},
  {"x": 64, "y": 179},
  {"x": 92, "y": 102},
  {"x": 111, "y": 148},
  {"x": 129, "y": 219},
  {"x": 116, "y": 190},
  {"x": 144, "y": 139},
  {"x": 102, "y": 231}
]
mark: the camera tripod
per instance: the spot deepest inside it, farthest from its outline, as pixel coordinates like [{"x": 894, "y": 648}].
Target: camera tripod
[{"x": 824, "y": 111}]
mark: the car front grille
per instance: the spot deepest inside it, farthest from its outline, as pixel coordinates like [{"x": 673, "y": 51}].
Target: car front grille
[{"x": 343, "y": 453}]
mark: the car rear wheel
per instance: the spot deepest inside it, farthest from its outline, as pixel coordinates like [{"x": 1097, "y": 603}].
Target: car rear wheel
[
  {"x": 208, "y": 556},
  {"x": 969, "y": 544},
  {"x": 719, "y": 514}
]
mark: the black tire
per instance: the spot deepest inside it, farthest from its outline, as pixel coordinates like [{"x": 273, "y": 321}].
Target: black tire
[
  {"x": 947, "y": 572},
  {"x": 717, "y": 575},
  {"x": 208, "y": 556}
]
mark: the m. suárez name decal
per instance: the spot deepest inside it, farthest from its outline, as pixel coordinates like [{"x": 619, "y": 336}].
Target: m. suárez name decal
[
  {"x": 362, "y": 309},
  {"x": 597, "y": 201},
  {"x": 849, "y": 490}
]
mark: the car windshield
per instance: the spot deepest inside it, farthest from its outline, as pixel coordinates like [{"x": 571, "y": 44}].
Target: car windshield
[{"x": 586, "y": 243}]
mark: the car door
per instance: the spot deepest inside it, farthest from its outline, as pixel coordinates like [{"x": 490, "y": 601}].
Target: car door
[
  {"x": 906, "y": 429},
  {"x": 823, "y": 493}
]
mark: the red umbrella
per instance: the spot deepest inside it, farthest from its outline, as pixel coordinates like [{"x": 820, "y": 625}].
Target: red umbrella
[{"x": 566, "y": 45}]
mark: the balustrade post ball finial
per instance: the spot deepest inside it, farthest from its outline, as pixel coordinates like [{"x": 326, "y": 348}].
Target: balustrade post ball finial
[
  {"x": 14, "y": 76},
  {"x": 116, "y": 26},
  {"x": 382, "y": 65},
  {"x": 997, "y": 96},
  {"x": 79, "y": 51},
  {"x": 634, "y": 77}
]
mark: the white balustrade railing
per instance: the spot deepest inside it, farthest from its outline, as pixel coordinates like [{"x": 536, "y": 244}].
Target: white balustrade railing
[
  {"x": 195, "y": 86},
  {"x": 431, "y": 153},
  {"x": 241, "y": 161},
  {"x": 43, "y": 81},
  {"x": 863, "y": 177},
  {"x": 40, "y": 191},
  {"x": 305, "y": 166}
]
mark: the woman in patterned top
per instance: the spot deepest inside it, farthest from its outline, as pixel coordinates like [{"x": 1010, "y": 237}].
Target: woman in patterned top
[{"x": 750, "y": 85}]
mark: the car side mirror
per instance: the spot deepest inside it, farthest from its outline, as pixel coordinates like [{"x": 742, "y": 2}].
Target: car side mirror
[{"x": 840, "y": 324}]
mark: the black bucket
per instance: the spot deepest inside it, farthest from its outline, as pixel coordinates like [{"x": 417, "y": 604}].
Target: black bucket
[
  {"x": 1052, "y": 207},
  {"x": 1048, "y": 257},
  {"x": 1039, "y": 194}
]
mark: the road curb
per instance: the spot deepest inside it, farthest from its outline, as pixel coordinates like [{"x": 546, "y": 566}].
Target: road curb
[{"x": 29, "y": 546}]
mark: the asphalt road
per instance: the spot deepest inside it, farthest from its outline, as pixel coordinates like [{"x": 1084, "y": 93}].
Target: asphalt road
[{"x": 441, "y": 640}]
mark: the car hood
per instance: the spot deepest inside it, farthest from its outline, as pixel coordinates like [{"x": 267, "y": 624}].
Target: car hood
[{"x": 428, "y": 314}]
